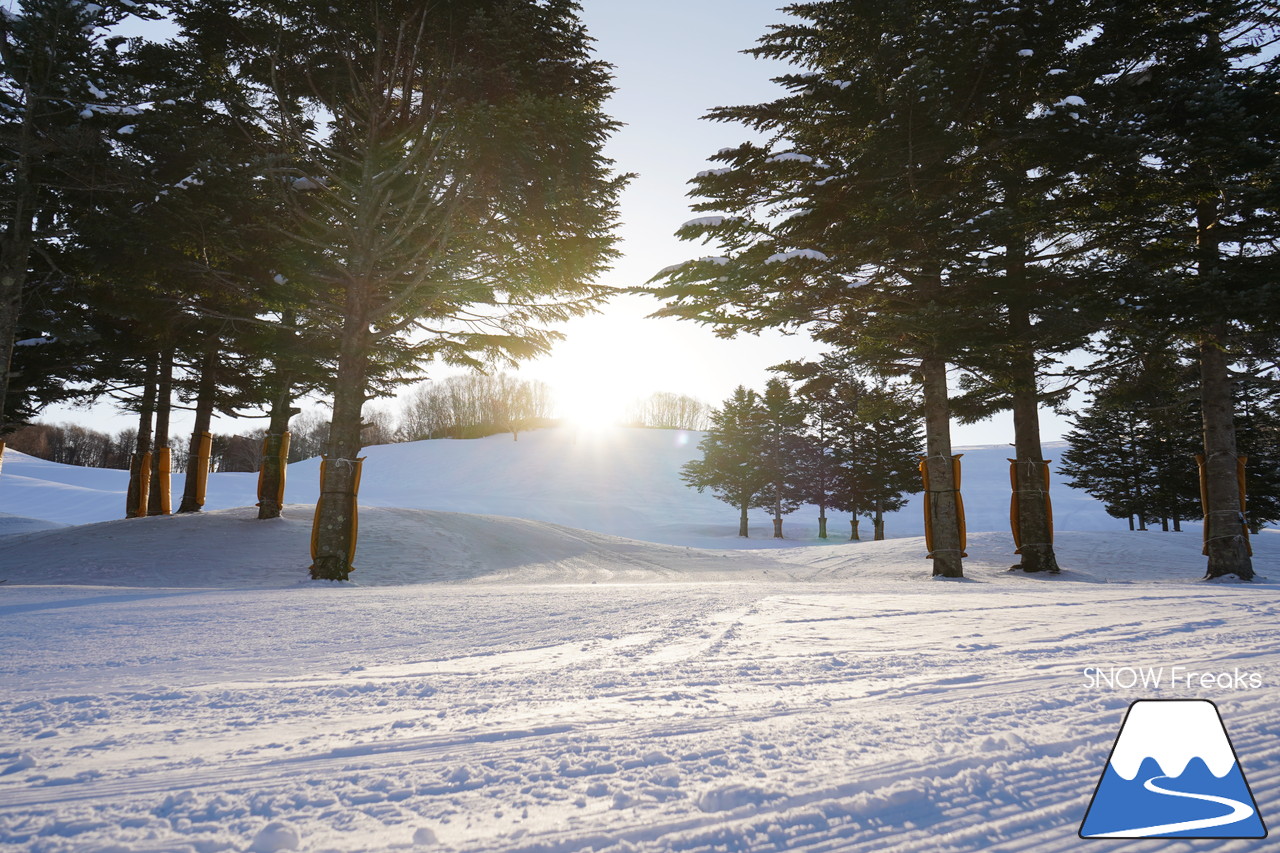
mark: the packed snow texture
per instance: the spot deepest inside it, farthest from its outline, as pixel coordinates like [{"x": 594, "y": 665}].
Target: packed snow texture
[{"x": 508, "y": 673}]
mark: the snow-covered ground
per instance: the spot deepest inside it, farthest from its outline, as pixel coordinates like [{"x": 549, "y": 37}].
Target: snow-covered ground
[{"x": 509, "y": 674}]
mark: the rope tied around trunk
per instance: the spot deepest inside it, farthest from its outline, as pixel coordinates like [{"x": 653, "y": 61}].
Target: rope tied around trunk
[{"x": 1234, "y": 513}]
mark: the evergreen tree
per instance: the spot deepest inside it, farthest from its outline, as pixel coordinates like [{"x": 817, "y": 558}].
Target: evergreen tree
[
  {"x": 884, "y": 450},
  {"x": 1193, "y": 208},
  {"x": 897, "y": 163},
  {"x": 1104, "y": 460},
  {"x": 782, "y": 449},
  {"x": 59, "y": 107},
  {"x": 178, "y": 260},
  {"x": 863, "y": 443},
  {"x": 1031, "y": 138},
  {"x": 1257, "y": 420},
  {"x": 731, "y": 455},
  {"x": 456, "y": 203},
  {"x": 821, "y": 478},
  {"x": 1134, "y": 448}
]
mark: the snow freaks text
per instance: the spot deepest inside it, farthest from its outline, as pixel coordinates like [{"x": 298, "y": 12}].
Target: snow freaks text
[{"x": 1173, "y": 677}]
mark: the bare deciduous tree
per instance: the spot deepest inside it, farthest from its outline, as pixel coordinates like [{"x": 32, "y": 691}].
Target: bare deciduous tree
[{"x": 665, "y": 410}]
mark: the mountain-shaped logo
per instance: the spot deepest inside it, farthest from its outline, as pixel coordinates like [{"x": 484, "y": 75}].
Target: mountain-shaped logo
[{"x": 1173, "y": 774}]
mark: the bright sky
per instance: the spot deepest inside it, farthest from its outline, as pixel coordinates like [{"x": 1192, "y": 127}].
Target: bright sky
[
  {"x": 674, "y": 60},
  {"x": 667, "y": 76}
]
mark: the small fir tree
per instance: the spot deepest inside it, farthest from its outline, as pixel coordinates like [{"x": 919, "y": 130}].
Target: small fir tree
[
  {"x": 731, "y": 459},
  {"x": 782, "y": 449}
]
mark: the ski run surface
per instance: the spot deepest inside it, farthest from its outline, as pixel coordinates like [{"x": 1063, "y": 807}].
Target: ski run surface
[{"x": 553, "y": 645}]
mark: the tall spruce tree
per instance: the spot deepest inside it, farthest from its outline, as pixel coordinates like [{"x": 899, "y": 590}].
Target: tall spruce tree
[
  {"x": 731, "y": 459},
  {"x": 176, "y": 259},
  {"x": 456, "y": 202},
  {"x": 59, "y": 106},
  {"x": 1031, "y": 138},
  {"x": 897, "y": 161},
  {"x": 1194, "y": 204}
]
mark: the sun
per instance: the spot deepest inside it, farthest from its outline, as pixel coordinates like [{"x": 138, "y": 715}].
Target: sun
[{"x": 589, "y": 407}]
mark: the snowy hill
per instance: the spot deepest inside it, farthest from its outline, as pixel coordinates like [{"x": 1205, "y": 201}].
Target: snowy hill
[
  {"x": 397, "y": 546},
  {"x": 624, "y": 482}
]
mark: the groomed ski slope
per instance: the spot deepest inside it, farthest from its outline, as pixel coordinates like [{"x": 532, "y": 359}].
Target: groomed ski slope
[{"x": 501, "y": 683}]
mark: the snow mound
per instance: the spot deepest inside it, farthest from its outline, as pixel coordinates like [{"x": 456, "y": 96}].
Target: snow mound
[
  {"x": 232, "y": 548},
  {"x": 13, "y": 524},
  {"x": 274, "y": 837}
]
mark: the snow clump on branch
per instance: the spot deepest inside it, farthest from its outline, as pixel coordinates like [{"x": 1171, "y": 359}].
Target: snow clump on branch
[{"x": 783, "y": 257}]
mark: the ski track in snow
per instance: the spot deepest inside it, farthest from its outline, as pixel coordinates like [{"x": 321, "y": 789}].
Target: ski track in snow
[{"x": 755, "y": 716}]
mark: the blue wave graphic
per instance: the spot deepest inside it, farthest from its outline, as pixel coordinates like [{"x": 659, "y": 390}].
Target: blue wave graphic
[{"x": 1159, "y": 803}]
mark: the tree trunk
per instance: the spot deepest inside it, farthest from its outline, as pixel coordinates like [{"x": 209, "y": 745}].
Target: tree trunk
[
  {"x": 197, "y": 463},
  {"x": 1031, "y": 498},
  {"x": 777, "y": 515},
  {"x": 853, "y": 524},
  {"x": 1226, "y": 544},
  {"x": 822, "y": 522},
  {"x": 946, "y": 551},
  {"x": 742, "y": 520},
  {"x": 10, "y": 307},
  {"x": 271, "y": 485},
  {"x": 158, "y": 499},
  {"x": 140, "y": 464},
  {"x": 877, "y": 523},
  {"x": 334, "y": 533},
  {"x": 1035, "y": 525}
]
